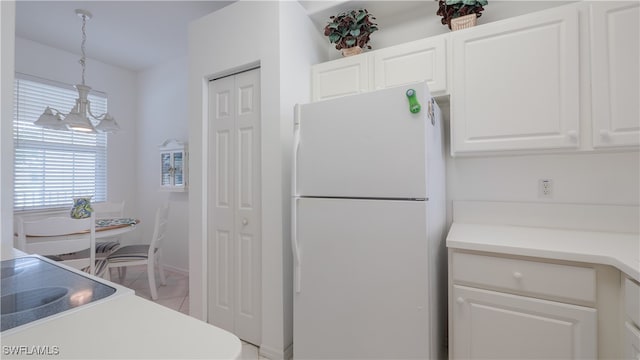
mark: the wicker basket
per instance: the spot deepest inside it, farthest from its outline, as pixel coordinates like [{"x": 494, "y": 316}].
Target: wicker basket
[
  {"x": 355, "y": 50},
  {"x": 463, "y": 22}
]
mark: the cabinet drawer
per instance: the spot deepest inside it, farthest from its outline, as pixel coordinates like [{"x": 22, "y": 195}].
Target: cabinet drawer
[
  {"x": 632, "y": 341},
  {"x": 535, "y": 278},
  {"x": 632, "y": 301}
]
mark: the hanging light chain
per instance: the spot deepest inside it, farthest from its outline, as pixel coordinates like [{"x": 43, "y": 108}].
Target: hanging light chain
[{"x": 82, "y": 46}]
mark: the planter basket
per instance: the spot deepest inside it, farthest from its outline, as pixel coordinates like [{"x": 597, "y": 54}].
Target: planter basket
[
  {"x": 463, "y": 22},
  {"x": 351, "y": 51}
]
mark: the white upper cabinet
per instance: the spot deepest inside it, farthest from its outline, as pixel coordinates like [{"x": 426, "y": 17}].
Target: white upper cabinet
[
  {"x": 341, "y": 77},
  {"x": 516, "y": 83},
  {"x": 419, "y": 60},
  {"x": 414, "y": 61},
  {"x": 615, "y": 64}
]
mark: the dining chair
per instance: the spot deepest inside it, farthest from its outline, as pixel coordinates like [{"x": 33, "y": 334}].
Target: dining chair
[
  {"x": 55, "y": 236},
  {"x": 106, "y": 210},
  {"x": 150, "y": 254}
]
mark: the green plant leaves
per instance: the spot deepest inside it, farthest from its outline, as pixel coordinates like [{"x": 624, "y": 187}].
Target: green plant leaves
[{"x": 350, "y": 28}]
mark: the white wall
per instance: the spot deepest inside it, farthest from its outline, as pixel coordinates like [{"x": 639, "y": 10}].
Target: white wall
[
  {"x": 162, "y": 115},
  {"x": 216, "y": 51},
  {"x": 7, "y": 38},
  {"x": 121, "y": 88}
]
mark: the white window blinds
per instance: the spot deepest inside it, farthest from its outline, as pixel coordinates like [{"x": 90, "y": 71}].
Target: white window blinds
[{"x": 51, "y": 166}]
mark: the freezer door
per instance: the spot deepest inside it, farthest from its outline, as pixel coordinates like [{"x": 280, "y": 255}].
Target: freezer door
[
  {"x": 363, "y": 280},
  {"x": 368, "y": 145}
]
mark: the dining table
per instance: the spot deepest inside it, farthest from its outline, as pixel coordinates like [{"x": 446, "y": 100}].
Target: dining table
[
  {"x": 105, "y": 228},
  {"x": 109, "y": 227}
]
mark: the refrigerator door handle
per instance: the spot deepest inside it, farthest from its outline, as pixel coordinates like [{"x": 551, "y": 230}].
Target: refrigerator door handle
[
  {"x": 294, "y": 244},
  {"x": 296, "y": 148}
]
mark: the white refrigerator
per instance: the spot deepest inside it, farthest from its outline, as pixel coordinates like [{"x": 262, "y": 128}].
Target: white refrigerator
[{"x": 368, "y": 216}]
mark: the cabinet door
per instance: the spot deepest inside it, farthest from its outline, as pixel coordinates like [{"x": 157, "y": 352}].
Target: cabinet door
[
  {"x": 341, "y": 77},
  {"x": 516, "y": 83},
  {"x": 632, "y": 341},
  {"x": 493, "y": 325},
  {"x": 615, "y": 53},
  {"x": 414, "y": 61},
  {"x": 165, "y": 170},
  {"x": 178, "y": 169}
]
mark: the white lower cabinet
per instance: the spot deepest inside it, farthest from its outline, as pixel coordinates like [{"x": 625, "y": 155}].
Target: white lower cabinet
[
  {"x": 632, "y": 342},
  {"x": 513, "y": 308},
  {"x": 631, "y": 319},
  {"x": 494, "y": 325}
]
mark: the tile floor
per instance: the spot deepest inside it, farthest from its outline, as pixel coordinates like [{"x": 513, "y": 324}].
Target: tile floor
[{"x": 174, "y": 296}]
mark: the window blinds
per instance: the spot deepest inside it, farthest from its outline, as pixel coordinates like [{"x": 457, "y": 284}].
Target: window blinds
[{"x": 52, "y": 166}]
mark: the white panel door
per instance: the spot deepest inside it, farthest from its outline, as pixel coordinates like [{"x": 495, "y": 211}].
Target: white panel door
[
  {"x": 363, "y": 279},
  {"x": 516, "y": 85},
  {"x": 615, "y": 54},
  {"x": 493, "y": 325},
  {"x": 234, "y": 257},
  {"x": 419, "y": 60},
  {"x": 341, "y": 77},
  {"x": 366, "y": 145}
]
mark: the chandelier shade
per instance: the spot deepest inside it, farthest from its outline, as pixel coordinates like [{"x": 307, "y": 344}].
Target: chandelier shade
[{"x": 80, "y": 117}]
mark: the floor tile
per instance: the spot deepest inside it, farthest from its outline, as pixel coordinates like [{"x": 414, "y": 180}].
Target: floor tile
[
  {"x": 175, "y": 295},
  {"x": 184, "y": 308},
  {"x": 172, "y": 295},
  {"x": 249, "y": 352}
]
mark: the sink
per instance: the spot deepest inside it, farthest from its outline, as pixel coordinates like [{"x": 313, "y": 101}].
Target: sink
[
  {"x": 32, "y": 299},
  {"x": 34, "y": 288},
  {"x": 9, "y": 271}
]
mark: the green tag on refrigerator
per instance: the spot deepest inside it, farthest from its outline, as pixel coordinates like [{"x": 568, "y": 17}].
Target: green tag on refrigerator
[{"x": 414, "y": 106}]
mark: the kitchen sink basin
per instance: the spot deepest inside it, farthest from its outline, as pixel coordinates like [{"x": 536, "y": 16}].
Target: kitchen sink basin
[
  {"x": 34, "y": 288},
  {"x": 9, "y": 271},
  {"x": 32, "y": 299}
]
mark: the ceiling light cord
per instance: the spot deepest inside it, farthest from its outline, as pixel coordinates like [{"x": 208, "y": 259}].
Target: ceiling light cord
[{"x": 83, "y": 46}]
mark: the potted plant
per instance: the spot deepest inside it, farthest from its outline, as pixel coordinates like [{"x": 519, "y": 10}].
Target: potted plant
[
  {"x": 460, "y": 14},
  {"x": 350, "y": 31}
]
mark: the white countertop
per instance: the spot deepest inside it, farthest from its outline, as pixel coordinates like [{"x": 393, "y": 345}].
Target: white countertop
[
  {"x": 620, "y": 250},
  {"x": 127, "y": 327},
  {"x": 118, "y": 327}
]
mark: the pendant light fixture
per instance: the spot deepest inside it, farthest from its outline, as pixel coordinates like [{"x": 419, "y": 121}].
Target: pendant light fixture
[{"x": 80, "y": 118}]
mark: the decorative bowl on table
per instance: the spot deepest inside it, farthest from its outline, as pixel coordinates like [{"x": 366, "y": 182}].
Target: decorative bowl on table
[{"x": 81, "y": 207}]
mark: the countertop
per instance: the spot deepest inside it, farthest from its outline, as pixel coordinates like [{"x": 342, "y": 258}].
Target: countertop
[
  {"x": 620, "y": 250},
  {"x": 127, "y": 327},
  {"x": 117, "y": 327}
]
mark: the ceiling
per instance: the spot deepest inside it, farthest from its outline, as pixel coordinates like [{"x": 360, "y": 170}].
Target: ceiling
[{"x": 130, "y": 34}]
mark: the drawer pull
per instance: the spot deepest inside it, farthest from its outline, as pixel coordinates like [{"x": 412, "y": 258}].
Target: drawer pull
[{"x": 517, "y": 275}]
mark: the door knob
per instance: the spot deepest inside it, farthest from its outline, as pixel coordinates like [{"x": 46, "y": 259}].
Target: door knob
[{"x": 245, "y": 221}]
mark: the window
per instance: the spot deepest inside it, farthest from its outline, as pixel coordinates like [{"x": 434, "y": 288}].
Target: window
[{"x": 52, "y": 166}]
